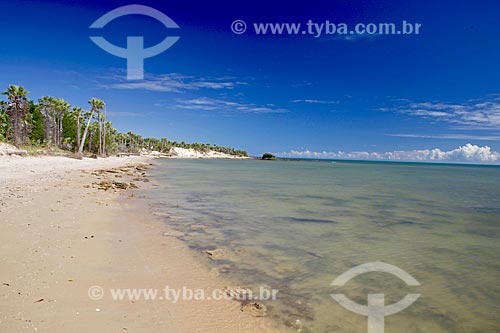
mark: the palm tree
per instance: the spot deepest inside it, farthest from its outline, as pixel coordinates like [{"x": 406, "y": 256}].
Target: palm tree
[
  {"x": 97, "y": 105},
  {"x": 17, "y": 109}
]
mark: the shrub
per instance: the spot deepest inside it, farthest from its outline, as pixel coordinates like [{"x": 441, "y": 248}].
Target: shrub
[{"x": 268, "y": 156}]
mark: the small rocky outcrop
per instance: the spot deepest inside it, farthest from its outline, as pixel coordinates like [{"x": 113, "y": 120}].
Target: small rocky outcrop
[
  {"x": 10, "y": 150},
  {"x": 218, "y": 254},
  {"x": 268, "y": 156},
  {"x": 255, "y": 309},
  {"x": 108, "y": 185}
]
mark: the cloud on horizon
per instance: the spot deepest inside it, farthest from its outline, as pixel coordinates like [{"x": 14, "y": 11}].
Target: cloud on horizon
[{"x": 468, "y": 153}]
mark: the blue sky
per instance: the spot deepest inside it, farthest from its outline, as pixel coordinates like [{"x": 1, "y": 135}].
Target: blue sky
[{"x": 439, "y": 89}]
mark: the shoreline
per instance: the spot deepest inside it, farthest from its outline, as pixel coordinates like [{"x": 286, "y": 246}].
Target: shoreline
[{"x": 61, "y": 235}]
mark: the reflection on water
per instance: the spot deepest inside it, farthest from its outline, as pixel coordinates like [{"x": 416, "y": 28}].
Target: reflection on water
[{"x": 296, "y": 225}]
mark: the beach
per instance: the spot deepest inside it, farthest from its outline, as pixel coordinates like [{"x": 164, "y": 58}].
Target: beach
[
  {"x": 67, "y": 228},
  {"x": 195, "y": 166},
  {"x": 127, "y": 244}
]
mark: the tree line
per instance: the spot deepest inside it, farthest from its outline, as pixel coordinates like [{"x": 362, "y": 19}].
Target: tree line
[{"x": 54, "y": 122}]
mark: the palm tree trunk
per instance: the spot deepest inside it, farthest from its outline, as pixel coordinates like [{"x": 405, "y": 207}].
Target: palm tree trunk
[
  {"x": 91, "y": 137},
  {"x": 80, "y": 150},
  {"x": 78, "y": 129},
  {"x": 104, "y": 134},
  {"x": 15, "y": 129},
  {"x": 54, "y": 131},
  {"x": 59, "y": 131},
  {"x": 100, "y": 134},
  {"x": 18, "y": 121},
  {"x": 46, "y": 125}
]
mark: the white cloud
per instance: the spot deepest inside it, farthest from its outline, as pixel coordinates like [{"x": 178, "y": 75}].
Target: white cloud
[
  {"x": 467, "y": 153},
  {"x": 314, "y": 101},
  {"x": 211, "y": 104},
  {"x": 472, "y": 114},
  {"x": 172, "y": 82}
]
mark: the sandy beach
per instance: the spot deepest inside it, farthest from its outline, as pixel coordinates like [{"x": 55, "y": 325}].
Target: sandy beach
[{"x": 62, "y": 235}]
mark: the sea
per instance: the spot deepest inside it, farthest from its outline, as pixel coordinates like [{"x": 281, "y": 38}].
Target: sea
[{"x": 297, "y": 225}]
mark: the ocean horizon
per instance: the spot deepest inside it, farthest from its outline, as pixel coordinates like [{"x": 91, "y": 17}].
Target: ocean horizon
[{"x": 457, "y": 163}]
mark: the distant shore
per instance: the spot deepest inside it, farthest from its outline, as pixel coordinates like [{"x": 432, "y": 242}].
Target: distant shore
[
  {"x": 67, "y": 227},
  {"x": 174, "y": 152},
  {"x": 177, "y": 152}
]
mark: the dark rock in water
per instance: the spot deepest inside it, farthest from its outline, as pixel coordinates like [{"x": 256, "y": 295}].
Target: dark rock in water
[
  {"x": 486, "y": 210},
  {"x": 305, "y": 220},
  {"x": 314, "y": 254},
  {"x": 409, "y": 223},
  {"x": 217, "y": 254},
  {"x": 255, "y": 309},
  {"x": 296, "y": 324}
]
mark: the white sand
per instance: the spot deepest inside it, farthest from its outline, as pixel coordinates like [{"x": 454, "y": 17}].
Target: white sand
[{"x": 191, "y": 153}]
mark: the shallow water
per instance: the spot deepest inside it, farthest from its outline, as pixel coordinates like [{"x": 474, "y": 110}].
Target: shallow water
[{"x": 297, "y": 225}]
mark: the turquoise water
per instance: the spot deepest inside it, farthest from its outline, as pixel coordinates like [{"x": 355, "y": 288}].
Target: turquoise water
[{"x": 297, "y": 225}]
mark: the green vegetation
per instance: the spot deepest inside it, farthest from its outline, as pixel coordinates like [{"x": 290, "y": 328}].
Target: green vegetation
[
  {"x": 54, "y": 123},
  {"x": 36, "y": 120},
  {"x": 268, "y": 156},
  {"x": 4, "y": 124}
]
